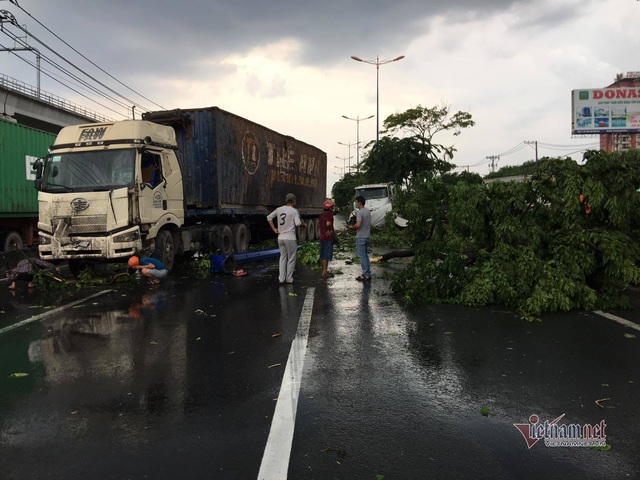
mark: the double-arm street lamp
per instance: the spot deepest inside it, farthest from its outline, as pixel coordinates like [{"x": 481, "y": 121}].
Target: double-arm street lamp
[
  {"x": 344, "y": 168},
  {"x": 348, "y": 145},
  {"x": 377, "y": 62},
  {"x": 357, "y": 120}
]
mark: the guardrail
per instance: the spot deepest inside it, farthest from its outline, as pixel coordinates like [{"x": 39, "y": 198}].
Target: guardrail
[{"x": 53, "y": 100}]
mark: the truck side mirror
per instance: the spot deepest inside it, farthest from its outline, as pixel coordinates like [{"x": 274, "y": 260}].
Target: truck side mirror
[{"x": 38, "y": 166}]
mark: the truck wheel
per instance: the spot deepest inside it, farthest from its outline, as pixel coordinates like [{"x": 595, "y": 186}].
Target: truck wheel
[
  {"x": 226, "y": 240},
  {"x": 11, "y": 242},
  {"x": 165, "y": 251},
  {"x": 240, "y": 237},
  {"x": 311, "y": 230},
  {"x": 302, "y": 234}
]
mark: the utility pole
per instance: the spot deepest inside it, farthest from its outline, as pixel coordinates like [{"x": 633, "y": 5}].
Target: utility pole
[
  {"x": 535, "y": 143},
  {"x": 494, "y": 162},
  {"x": 7, "y": 17}
]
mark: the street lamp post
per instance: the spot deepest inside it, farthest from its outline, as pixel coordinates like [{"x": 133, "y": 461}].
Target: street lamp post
[
  {"x": 357, "y": 120},
  {"x": 348, "y": 145},
  {"x": 344, "y": 168},
  {"x": 377, "y": 63}
]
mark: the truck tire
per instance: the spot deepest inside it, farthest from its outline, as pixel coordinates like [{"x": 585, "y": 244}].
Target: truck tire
[
  {"x": 302, "y": 234},
  {"x": 240, "y": 234},
  {"x": 226, "y": 240},
  {"x": 165, "y": 249},
  {"x": 311, "y": 230},
  {"x": 11, "y": 242}
]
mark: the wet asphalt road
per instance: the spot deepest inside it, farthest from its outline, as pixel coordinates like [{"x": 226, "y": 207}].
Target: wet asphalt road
[{"x": 180, "y": 381}]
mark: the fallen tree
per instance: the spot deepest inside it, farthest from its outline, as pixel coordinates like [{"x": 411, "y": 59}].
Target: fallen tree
[{"x": 564, "y": 239}]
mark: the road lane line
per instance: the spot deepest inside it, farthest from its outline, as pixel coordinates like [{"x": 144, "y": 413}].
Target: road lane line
[
  {"x": 620, "y": 320},
  {"x": 50, "y": 312},
  {"x": 275, "y": 461}
]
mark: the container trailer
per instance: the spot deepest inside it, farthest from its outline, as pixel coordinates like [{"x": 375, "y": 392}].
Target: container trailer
[
  {"x": 20, "y": 147},
  {"x": 174, "y": 182}
]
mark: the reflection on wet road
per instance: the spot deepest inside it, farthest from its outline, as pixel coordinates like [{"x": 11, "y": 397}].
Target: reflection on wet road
[{"x": 181, "y": 380}]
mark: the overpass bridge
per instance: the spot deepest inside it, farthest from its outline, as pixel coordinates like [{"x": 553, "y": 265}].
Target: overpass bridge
[{"x": 31, "y": 107}]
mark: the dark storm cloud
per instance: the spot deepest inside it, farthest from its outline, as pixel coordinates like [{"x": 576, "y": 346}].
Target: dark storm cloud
[
  {"x": 149, "y": 40},
  {"x": 173, "y": 33}
]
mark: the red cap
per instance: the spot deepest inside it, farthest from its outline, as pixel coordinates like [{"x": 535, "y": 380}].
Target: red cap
[{"x": 327, "y": 205}]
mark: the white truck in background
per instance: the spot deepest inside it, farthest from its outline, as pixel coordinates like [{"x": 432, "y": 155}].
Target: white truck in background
[{"x": 379, "y": 200}]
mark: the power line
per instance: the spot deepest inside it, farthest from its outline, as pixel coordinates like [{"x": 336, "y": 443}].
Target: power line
[
  {"x": 71, "y": 75},
  {"x": 67, "y": 86},
  {"x": 11, "y": 19},
  {"x": 15, "y": 2},
  {"x": 492, "y": 158}
]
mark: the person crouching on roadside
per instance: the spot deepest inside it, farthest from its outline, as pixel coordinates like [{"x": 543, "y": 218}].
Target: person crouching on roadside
[
  {"x": 25, "y": 269},
  {"x": 151, "y": 268}
]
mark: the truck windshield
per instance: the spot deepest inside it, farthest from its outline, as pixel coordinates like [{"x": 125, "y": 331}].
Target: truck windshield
[
  {"x": 371, "y": 193},
  {"x": 89, "y": 171}
]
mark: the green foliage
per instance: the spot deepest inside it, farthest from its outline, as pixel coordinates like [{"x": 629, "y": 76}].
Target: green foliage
[
  {"x": 413, "y": 155},
  {"x": 199, "y": 267},
  {"x": 44, "y": 280},
  {"x": 309, "y": 254},
  {"x": 533, "y": 246},
  {"x": 389, "y": 235},
  {"x": 424, "y": 123}
]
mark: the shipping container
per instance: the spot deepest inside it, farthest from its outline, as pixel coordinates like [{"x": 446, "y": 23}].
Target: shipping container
[
  {"x": 20, "y": 146},
  {"x": 233, "y": 165},
  {"x": 175, "y": 182}
]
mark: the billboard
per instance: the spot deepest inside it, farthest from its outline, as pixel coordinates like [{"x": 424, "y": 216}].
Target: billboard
[{"x": 605, "y": 110}]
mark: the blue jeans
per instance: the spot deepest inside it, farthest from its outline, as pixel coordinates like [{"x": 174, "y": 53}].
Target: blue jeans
[{"x": 362, "y": 244}]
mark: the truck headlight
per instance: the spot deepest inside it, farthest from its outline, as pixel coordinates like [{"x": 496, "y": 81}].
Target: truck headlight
[
  {"x": 126, "y": 237},
  {"x": 44, "y": 240}
]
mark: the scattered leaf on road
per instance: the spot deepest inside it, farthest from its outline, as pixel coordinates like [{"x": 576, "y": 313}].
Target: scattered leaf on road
[
  {"x": 276, "y": 335},
  {"x": 18, "y": 375},
  {"x": 275, "y": 365},
  {"x": 629, "y": 335}
]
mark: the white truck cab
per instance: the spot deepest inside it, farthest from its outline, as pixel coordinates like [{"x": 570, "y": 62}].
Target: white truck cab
[{"x": 379, "y": 200}]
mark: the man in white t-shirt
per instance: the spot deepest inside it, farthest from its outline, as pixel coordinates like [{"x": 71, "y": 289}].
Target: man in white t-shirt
[{"x": 287, "y": 219}]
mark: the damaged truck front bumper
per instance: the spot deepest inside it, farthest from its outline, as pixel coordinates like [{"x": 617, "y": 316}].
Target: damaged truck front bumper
[{"x": 116, "y": 245}]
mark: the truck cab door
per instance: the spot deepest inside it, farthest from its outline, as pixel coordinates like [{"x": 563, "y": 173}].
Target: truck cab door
[
  {"x": 160, "y": 188},
  {"x": 152, "y": 198}
]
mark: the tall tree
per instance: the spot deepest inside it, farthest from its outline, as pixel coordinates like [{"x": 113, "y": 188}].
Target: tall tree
[{"x": 407, "y": 153}]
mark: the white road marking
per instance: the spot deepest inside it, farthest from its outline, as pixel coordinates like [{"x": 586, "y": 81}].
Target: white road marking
[
  {"x": 50, "y": 312},
  {"x": 620, "y": 320},
  {"x": 275, "y": 461}
]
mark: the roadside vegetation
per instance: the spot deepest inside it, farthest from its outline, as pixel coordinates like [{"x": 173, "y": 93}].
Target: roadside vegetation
[{"x": 563, "y": 239}]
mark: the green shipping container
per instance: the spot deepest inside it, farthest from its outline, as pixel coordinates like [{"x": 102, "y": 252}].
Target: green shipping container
[{"x": 20, "y": 146}]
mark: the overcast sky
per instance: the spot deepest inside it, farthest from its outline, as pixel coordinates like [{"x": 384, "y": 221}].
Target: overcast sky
[{"x": 286, "y": 64}]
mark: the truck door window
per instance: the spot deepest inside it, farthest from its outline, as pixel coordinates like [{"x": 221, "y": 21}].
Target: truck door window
[{"x": 151, "y": 169}]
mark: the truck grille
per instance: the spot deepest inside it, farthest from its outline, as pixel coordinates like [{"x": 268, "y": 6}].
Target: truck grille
[{"x": 83, "y": 224}]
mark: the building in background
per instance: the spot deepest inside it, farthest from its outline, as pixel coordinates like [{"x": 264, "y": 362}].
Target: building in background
[{"x": 616, "y": 142}]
